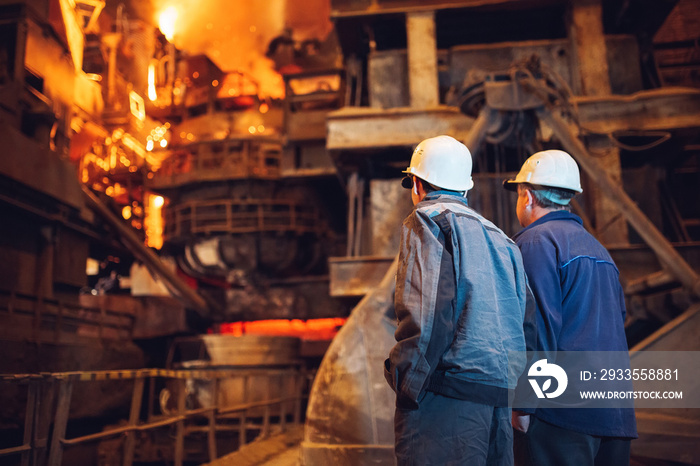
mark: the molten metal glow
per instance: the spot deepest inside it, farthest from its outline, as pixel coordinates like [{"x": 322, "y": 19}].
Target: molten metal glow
[
  {"x": 313, "y": 329},
  {"x": 166, "y": 22},
  {"x": 158, "y": 201},
  {"x": 152, "y": 95},
  {"x": 154, "y": 221}
]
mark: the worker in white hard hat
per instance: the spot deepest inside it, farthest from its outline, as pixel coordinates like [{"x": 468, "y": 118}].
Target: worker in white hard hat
[
  {"x": 580, "y": 308},
  {"x": 461, "y": 300}
]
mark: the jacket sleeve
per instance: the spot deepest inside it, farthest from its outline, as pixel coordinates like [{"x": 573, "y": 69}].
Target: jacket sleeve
[
  {"x": 543, "y": 308},
  {"x": 524, "y": 399},
  {"x": 424, "y": 303},
  {"x": 542, "y": 269}
]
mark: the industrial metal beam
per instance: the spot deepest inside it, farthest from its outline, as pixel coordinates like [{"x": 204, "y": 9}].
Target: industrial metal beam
[
  {"x": 656, "y": 109},
  {"x": 393, "y": 8},
  {"x": 370, "y": 128},
  {"x": 356, "y": 128},
  {"x": 145, "y": 255}
]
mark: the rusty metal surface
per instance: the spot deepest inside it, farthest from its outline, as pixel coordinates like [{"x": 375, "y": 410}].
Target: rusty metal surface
[
  {"x": 251, "y": 350},
  {"x": 308, "y": 125},
  {"x": 371, "y": 128},
  {"x": 388, "y": 79},
  {"x": 153, "y": 316},
  {"x": 390, "y": 203},
  {"x": 350, "y": 416},
  {"x": 38, "y": 168},
  {"x": 309, "y": 96},
  {"x": 422, "y": 59},
  {"x": 308, "y": 159},
  {"x": 509, "y": 95},
  {"x": 388, "y": 74},
  {"x": 356, "y": 276},
  {"x": 474, "y": 59},
  {"x": 656, "y": 109}
]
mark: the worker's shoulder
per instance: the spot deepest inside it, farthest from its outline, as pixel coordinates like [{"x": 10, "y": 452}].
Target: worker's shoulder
[
  {"x": 444, "y": 206},
  {"x": 458, "y": 215},
  {"x": 570, "y": 240},
  {"x": 551, "y": 229}
]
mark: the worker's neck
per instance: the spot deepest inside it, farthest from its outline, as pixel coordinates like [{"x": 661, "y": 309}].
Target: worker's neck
[{"x": 537, "y": 212}]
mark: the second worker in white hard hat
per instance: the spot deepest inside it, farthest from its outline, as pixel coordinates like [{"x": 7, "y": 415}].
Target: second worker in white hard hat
[
  {"x": 461, "y": 302},
  {"x": 580, "y": 308}
]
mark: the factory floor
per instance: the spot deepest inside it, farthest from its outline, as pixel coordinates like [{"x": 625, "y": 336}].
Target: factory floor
[
  {"x": 284, "y": 449},
  {"x": 281, "y": 449}
]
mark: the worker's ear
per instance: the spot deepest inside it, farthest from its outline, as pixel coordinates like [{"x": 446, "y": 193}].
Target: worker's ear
[
  {"x": 529, "y": 198},
  {"x": 415, "y": 186}
]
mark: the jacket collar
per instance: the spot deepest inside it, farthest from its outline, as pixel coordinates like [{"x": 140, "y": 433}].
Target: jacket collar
[
  {"x": 556, "y": 215},
  {"x": 431, "y": 196}
]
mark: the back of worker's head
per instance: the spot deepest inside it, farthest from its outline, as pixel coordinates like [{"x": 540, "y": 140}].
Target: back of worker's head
[
  {"x": 444, "y": 163},
  {"x": 551, "y": 175}
]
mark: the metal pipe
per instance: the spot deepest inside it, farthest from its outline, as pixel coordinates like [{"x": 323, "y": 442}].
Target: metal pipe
[
  {"x": 666, "y": 253},
  {"x": 478, "y": 129},
  {"x": 145, "y": 255}
]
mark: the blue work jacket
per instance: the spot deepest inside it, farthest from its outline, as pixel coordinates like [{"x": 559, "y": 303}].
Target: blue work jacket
[
  {"x": 581, "y": 307},
  {"x": 461, "y": 299}
]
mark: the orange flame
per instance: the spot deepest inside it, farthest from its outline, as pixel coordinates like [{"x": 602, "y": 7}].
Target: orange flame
[{"x": 167, "y": 21}]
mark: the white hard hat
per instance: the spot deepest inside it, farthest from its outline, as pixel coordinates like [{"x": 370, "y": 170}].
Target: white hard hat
[
  {"x": 444, "y": 162},
  {"x": 549, "y": 168}
]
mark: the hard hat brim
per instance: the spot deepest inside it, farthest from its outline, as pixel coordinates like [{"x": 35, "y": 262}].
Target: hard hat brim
[
  {"x": 466, "y": 187},
  {"x": 511, "y": 185}
]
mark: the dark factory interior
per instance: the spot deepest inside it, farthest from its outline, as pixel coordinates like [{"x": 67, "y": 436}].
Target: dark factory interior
[{"x": 201, "y": 207}]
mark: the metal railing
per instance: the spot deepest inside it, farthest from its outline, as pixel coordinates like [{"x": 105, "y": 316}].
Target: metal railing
[
  {"x": 35, "y": 434},
  {"x": 42, "y": 319},
  {"x": 240, "y": 216},
  {"x": 221, "y": 160},
  {"x": 49, "y": 397}
]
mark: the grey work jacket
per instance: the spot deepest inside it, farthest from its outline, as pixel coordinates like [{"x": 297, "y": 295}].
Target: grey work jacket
[{"x": 461, "y": 301}]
